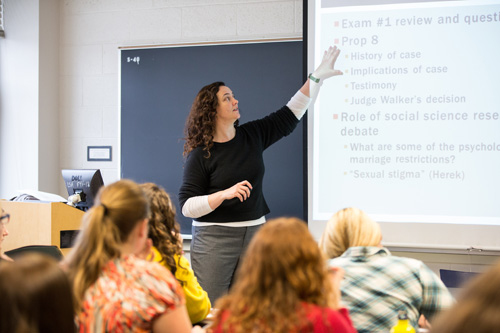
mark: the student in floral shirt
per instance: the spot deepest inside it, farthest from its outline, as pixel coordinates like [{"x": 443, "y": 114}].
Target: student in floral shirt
[{"x": 115, "y": 290}]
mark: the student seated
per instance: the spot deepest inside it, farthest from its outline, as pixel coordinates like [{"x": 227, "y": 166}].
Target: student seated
[
  {"x": 376, "y": 284},
  {"x": 114, "y": 289},
  {"x": 4, "y": 220},
  {"x": 167, "y": 249},
  {"x": 477, "y": 308},
  {"x": 35, "y": 296},
  {"x": 283, "y": 285}
]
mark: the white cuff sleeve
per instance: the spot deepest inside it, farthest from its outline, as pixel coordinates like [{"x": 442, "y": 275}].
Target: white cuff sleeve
[
  {"x": 299, "y": 104},
  {"x": 196, "y": 207},
  {"x": 314, "y": 90}
]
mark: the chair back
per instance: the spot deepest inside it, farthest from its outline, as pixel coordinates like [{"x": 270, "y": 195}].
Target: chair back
[
  {"x": 455, "y": 279},
  {"x": 50, "y": 250}
]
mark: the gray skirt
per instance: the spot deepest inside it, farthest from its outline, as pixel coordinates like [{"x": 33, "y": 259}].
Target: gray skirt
[{"x": 216, "y": 252}]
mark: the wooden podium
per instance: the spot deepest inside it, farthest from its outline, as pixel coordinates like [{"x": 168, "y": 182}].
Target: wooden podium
[{"x": 40, "y": 223}]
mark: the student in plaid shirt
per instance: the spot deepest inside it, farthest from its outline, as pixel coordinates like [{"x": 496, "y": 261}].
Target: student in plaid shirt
[{"x": 376, "y": 284}]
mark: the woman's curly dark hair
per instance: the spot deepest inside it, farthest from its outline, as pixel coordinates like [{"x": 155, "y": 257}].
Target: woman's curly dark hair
[
  {"x": 163, "y": 228},
  {"x": 200, "y": 124}
]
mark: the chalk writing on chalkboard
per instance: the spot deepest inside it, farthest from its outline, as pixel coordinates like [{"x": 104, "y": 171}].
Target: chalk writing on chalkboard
[
  {"x": 134, "y": 59},
  {"x": 157, "y": 94}
]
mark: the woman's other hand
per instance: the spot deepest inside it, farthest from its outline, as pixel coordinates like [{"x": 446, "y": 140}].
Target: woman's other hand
[{"x": 240, "y": 190}]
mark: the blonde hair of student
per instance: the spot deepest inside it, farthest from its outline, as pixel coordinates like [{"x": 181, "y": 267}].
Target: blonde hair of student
[
  {"x": 35, "y": 296},
  {"x": 347, "y": 228},
  {"x": 282, "y": 268},
  {"x": 477, "y": 308},
  {"x": 118, "y": 208}
]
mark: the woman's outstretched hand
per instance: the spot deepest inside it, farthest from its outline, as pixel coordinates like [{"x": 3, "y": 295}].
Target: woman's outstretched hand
[{"x": 326, "y": 68}]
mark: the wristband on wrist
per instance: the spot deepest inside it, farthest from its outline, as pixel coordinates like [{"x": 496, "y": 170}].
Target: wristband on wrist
[{"x": 315, "y": 79}]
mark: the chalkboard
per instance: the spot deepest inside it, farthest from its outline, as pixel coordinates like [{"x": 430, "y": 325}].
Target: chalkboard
[{"x": 158, "y": 86}]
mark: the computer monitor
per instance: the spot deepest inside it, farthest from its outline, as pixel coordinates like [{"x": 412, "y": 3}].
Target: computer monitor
[{"x": 82, "y": 186}]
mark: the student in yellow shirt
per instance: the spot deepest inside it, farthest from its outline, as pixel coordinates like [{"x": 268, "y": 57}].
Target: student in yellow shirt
[{"x": 167, "y": 250}]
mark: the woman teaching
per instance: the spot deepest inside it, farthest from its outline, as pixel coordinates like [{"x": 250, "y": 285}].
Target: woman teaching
[{"x": 223, "y": 173}]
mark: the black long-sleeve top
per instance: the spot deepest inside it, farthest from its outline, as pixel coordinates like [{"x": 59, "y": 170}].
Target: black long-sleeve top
[{"x": 232, "y": 162}]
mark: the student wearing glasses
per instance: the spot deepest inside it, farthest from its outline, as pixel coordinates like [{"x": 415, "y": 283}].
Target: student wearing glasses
[{"x": 4, "y": 220}]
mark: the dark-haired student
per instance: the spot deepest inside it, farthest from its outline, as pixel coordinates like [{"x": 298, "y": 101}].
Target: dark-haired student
[
  {"x": 224, "y": 171},
  {"x": 477, "y": 308},
  {"x": 167, "y": 250},
  {"x": 35, "y": 296}
]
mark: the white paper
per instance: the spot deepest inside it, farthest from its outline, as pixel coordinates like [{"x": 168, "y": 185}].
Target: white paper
[{"x": 42, "y": 196}]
